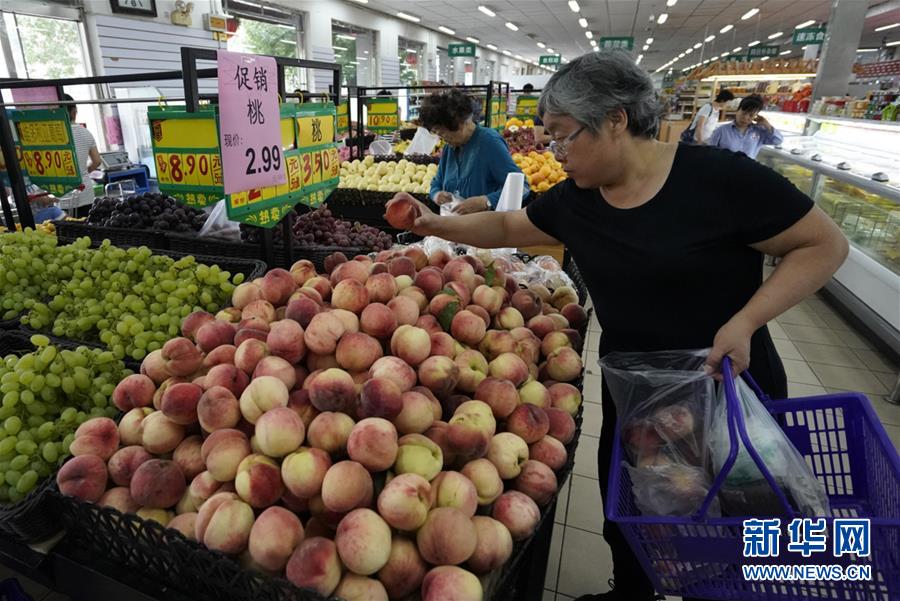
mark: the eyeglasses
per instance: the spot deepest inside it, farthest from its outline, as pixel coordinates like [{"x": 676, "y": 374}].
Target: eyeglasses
[{"x": 561, "y": 148}]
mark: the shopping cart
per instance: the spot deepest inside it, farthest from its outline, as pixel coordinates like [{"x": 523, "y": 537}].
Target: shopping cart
[{"x": 845, "y": 445}]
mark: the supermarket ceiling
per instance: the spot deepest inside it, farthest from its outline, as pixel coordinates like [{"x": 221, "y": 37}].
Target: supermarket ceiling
[{"x": 688, "y": 22}]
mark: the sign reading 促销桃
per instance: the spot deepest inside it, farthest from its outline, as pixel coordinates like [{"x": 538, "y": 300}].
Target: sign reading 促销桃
[{"x": 46, "y": 149}]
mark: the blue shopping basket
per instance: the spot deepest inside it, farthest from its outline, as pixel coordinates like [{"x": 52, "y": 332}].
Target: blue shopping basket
[{"x": 845, "y": 445}]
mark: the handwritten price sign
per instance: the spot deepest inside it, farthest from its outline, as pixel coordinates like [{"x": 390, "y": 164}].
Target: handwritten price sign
[
  {"x": 46, "y": 150},
  {"x": 382, "y": 115}
]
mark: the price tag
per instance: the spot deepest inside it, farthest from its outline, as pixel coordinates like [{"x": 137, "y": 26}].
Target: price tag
[
  {"x": 315, "y": 131},
  {"x": 343, "y": 118},
  {"x": 249, "y": 130},
  {"x": 382, "y": 115},
  {"x": 46, "y": 149},
  {"x": 526, "y": 107}
]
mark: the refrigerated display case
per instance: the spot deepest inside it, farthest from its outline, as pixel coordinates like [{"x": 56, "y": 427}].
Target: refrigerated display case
[{"x": 852, "y": 170}]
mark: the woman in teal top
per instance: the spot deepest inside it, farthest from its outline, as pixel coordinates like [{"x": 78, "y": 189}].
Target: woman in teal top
[{"x": 475, "y": 161}]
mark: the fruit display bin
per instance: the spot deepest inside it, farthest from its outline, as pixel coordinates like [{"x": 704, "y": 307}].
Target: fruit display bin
[
  {"x": 416, "y": 159},
  {"x": 123, "y": 237}
]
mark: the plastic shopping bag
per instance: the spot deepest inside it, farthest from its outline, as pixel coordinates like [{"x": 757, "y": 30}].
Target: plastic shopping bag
[
  {"x": 422, "y": 143},
  {"x": 511, "y": 195},
  {"x": 745, "y": 491},
  {"x": 218, "y": 225},
  {"x": 661, "y": 399}
]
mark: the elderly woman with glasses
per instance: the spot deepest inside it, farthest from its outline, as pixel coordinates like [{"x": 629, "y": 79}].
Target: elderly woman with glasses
[
  {"x": 670, "y": 240},
  {"x": 475, "y": 161}
]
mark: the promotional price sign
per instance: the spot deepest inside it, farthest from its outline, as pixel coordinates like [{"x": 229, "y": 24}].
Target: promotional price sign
[
  {"x": 526, "y": 107},
  {"x": 47, "y": 151},
  {"x": 382, "y": 115},
  {"x": 249, "y": 132},
  {"x": 343, "y": 117}
]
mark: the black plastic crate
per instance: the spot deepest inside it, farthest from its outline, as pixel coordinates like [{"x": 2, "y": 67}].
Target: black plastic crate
[{"x": 124, "y": 237}]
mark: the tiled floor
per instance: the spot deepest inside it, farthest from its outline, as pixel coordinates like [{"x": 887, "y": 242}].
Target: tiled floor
[{"x": 821, "y": 352}]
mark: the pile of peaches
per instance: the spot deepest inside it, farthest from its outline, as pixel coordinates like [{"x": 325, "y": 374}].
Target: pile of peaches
[{"x": 384, "y": 430}]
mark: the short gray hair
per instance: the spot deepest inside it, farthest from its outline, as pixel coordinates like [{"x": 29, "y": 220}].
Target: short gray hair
[{"x": 592, "y": 86}]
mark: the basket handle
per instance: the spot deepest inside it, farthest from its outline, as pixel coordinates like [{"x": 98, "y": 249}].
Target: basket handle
[{"x": 736, "y": 422}]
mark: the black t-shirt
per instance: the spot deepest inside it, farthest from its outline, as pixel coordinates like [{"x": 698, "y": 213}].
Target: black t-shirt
[{"x": 668, "y": 274}]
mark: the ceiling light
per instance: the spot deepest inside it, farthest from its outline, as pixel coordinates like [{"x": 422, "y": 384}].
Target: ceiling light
[
  {"x": 583, "y": 22},
  {"x": 345, "y": 37},
  {"x": 867, "y": 49},
  {"x": 765, "y": 58},
  {"x": 709, "y": 38},
  {"x": 473, "y": 40},
  {"x": 362, "y": 1},
  {"x": 646, "y": 47},
  {"x": 574, "y": 6},
  {"x": 649, "y": 41},
  {"x": 726, "y": 29},
  {"x": 588, "y": 35},
  {"x": 446, "y": 30},
  {"x": 487, "y": 11},
  {"x": 519, "y": 56},
  {"x": 753, "y": 43},
  {"x": 886, "y": 27},
  {"x": 550, "y": 51},
  {"x": 412, "y": 18},
  {"x": 671, "y": 2},
  {"x": 662, "y": 18},
  {"x": 491, "y": 47},
  {"x": 893, "y": 43},
  {"x": 596, "y": 49},
  {"x": 738, "y": 49},
  {"x": 339, "y": 48},
  {"x": 775, "y": 35},
  {"x": 541, "y": 45},
  {"x": 639, "y": 59},
  {"x": 511, "y": 25},
  {"x": 689, "y": 50},
  {"x": 697, "y": 45},
  {"x": 749, "y": 14},
  {"x": 507, "y": 53},
  {"x": 805, "y": 24},
  {"x": 784, "y": 53}
]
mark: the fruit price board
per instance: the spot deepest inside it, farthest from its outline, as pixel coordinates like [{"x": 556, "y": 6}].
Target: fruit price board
[
  {"x": 46, "y": 149},
  {"x": 343, "y": 117},
  {"x": 382, "y": 115},
  {"x": 498, "y": 113},
  {"x": 526, "y": 107}
]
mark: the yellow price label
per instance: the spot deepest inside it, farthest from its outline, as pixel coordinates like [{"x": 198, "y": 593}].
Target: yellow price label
[
  {"x": 377, "y": 120},
  {"x": 334, "y": 163},
  {"x": 184, "y": 133},
  {"x": 287, "y": 133},
  {"x": 293, "y": 172},
  {"x": 383, "y": 108},
  {"x": 315, "y": 131},
  {"x": 43, "y": 133},
  {"x": 240, "y": 199}
]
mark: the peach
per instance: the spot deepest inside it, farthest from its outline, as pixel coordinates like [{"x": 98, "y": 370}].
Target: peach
[
  {"x": 97, "y": 436},
  {"x": 473, "y": 369},
  {"x": 322, "y": 362},
  {"x": 124, "y": 462},
  {"x": 304, "y": 470},
  {"x": 330, "y": 431},
  {"x": 411, "y": 344},
  {"x": 459, "y": 270},
  {"x": 439, "y": 374},
  {"x": 451, "y": 582},
  {"x": 418, "y": 256},
  {"x": 249, "y": 353},
  {"x": 549, "y": 451},
  {"x": 193, "y": 322},
  {"x": 437, "y": 408},
  {"x": 277, "y": 286},
  {"x": 354, "y": 587},
  {"x": 179, "y": 403},
  {"x": 302, "y": 309},
  {"x": 302, "y": 270},
  {"x": 373, "y": 443},
  {"x": 403, "y": 573},
  {"x": 541, "y": 325},
  {"x": 471, "y": 429},
  {"x": 438, "y": 258},
  {"x": 133, "y": 391},
  {"x": 119, "y": 498},
  {"x": 416, "y": 416},
  {"x": 575, "y": 315},
  {"x": 320, "y": 284},
  {"x": 559, "y": 321},
  {"x": 378, "y": 320},
  {"x": 566, "y": 397},
  {"x": 285, "y": 341},
  {"x": 494, "y": 545},
  {"x": 161, "y": 390},
  {"x": 219, "y": 355},
  {"x": 332, "y": 261},
  {"x": 246, "y": 293},
  {"x": 480, "y": 313},
  {"x": 509, "y": 366},
  {"x": 160, "y": 516},
  {"x": 188, "y": 456},
  {"x": 562, "y": 425},
  {"x": 495, "y": 343},
  {"x": 553, "y": 341},
  {"x": 157, "y": 483},
  {"x": 488, "y": 299},
  {"x": 453, "y": 489},
  {"x": 223, "y": 451},
  {"x": 202, "y": 487},
  {"x": 443, "y": 344},
  {"x": 184, "y": 523},
  {"x": 415, "y": 294},
  {"x": 460, "y": 291},
  {"x": 486, "y": 478},
  {"x": 333, "y": 390},
  {"x": 447, "y": 537},
  {"x": 562, "y": 296},
  {"x": 131, "y": 426},
  {"x": 509, "y": 318},
  {"x": 274, "y": 536},
  {"x": 357, "y": 352},
  {"x": 528, "y": 350},
  {"x": 527, "y": 303},
  {"x": 430, "y": 280},
  {"x": 261, "y": 309},
  {"x": 500, "y": 395},
  {"x": 258, "y": 481},
  {"x": 381, "y": 287},
  {"x": 323, "y": 333},
  {"x": 279, "y": 432},
  {"x": 251, "y": 329},
  {"x": 507, "y": 451},
  {"x": 534, "y": 393},
  {"x": 564, "y": 364},
  {"x": 315, "y": 564},
  {"x": 227, "y": 526},
  {"x": 299, "y": 402},
  {"x": 228, "y": 376},
  {"x": 346, "y": 486},
  {"x": 230, "y": 315},
  {"x": 218, "y": 409},
  {"x": 404, "y": 309},
  {"x": 350, "y": 295},
  {"x": 405, "y": 501},
  {"x": 575, "y": 339},
  {"x": 159, "y": 434},
  {"x": 363, "y": 541},
  {"x": 444, "y": 306},
  {"x": 537, "y": 481},
  {"x": 214, "y": 334},
  {"x": 418, "y": 454},
  {"x": 518, "y": 512},
  {"x": 401, "y": 213},
  {"x": 401, "y": 266},
  {"x": 83, "y": 477},
  {"x": 429, "y": 323},
  {"x": 263, "y": 393},
  {"x": 467, "y": 328},
  {"x": 278, "y": 368}
]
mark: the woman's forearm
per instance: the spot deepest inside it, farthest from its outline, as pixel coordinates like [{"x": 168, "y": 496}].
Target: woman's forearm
[{"x": 484, "y": 230}]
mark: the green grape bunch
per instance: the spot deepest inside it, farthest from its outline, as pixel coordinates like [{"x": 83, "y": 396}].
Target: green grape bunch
[
  {"x": 131, "y": 300},
  {"x": 44, "y": 396},
  {"x": 24, "y": 257}
]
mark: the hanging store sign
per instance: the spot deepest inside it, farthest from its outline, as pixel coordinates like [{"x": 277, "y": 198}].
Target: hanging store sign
[
  {"x": 526, "y": 107},
  {"x": 550, "y": 59},
  {"x": 343, "y": 117},
  {"x": 809, "y": 35},
  {"x": 382, "y": 115},
  {"x": 463, "y": 50},
  {"x": 760, "y": 51},
  {"x": 46, "y": 148},
  {"x": 616, "y": 43}
]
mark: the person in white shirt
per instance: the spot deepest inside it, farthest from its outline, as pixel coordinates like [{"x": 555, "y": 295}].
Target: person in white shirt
[
  {"x": 78, "y": 203},
  {"x": 707, "y": 118}
]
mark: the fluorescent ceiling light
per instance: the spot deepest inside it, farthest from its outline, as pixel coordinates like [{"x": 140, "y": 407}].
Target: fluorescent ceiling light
[
  {"x": 596, "y": 49},
  {"x": 583, "y": 22},
  {"x": 649, "y": 41},
  {"x": 519, "y": 56},
  {"x": 761, "y": 77},
  {"x": 362, "y": 1},
  {"x": 511, "y": 25},
  {"x": 412, "y": 18},
  {"x": 765, "y": 58},
  {"x": 886, "y": 27},
  {"x": 738, "y": 49},
  {"x": 726, "y": 29},
  {"x": 345, "y": 36},
  {"x": 805, "y": 24},
  {"x": 289, "y": 41},
  {"x": 507, "y": 53},
  {"x": 689, "y": 50},
  {"x": 671, "y": 2},
  {"x": 589, "y": 35},
  {"x": 697, "y": 45},
  {"x": 491, "y": 46},
  {"x": 753, "y": 43},
  {"x": 473, "y": 40},
  {"x": 594, "y": 43},
  {"x": 777, "y": 34},
  {"x": 646, "y": 47},
  {"x": 709, "y": 38},
  {"x": 893, "y": 43},
  {"x": 573, "y": 4},
  {"x": 662, "y": 18},
  {"x": 487, "y": 11},
  {"x": 339, "y": 48},
  {"x": 749, "y": 14},
  {"x": 408, "y": 51},
  {"x": 639, "y": 58},
  {"x": 550, "y": 51},
  {"x": 784, "y": 53},
  {"x": 541, "y": 45},
  {"x": 446, "y": 30},
  {"x": 867, "y": 49},
  {"x": 354, "y": 62}
]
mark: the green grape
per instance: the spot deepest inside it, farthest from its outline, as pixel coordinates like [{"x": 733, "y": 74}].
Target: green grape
[
  {"x": 12, "y": 477},
  {"x": 49, "y": 452},
  {"x": 12, "y": 425},
  {"x": 26, "y": 447},
  {"x": 26, "y": 397},
  {"x": 45, "y": 431},
  {"x": 7, "y": 445},
  {"x": 67, "y": 442},
  {"x": 15, "y": 496},
  {"x": 19, "y": 462},
  {"x": 11, "y": 399},
  {"x": 27, "y": 481}
]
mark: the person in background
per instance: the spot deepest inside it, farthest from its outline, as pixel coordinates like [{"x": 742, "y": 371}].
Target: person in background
[
  {"x": 707, "y": 118},
  {"x": 78, "y": 203},
  {"x": 540, "y": 136},
  {"x": 475, "y": 161},
  {"x": 749, "y": 130}
]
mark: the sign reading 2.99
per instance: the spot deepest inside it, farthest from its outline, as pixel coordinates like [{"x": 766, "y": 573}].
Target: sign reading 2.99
[{"x": 46, "y": 149}]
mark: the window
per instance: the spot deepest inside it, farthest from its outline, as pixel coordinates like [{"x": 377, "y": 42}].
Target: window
[
  {"x": 268, "y": 30},
  {"x": 354, "y": 49},
  {"x": 412, "y": 61}
]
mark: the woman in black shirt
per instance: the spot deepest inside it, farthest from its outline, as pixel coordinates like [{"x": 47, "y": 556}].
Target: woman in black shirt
[{"x": 669, "y": 239}]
